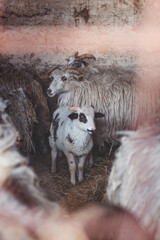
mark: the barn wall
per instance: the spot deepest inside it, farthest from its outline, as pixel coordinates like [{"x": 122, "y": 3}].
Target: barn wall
[
  {"x": 44, "y": 33},
  {"x": 72, "y": 13}
]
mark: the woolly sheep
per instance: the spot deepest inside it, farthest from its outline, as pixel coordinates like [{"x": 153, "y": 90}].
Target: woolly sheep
[
  {"x": 17, "y": 180},
  {"x": 83, "y": 63},
  {"x": 90, "y": 223},
  {"x": 70, "y": 133},
  {"x": 13, "y": 79},
  {"x": 86, "y": 64},
  {"x": 134, "y": 182},
  {"x": 23, "y": 116},
  {"x": 79, "y": 60},
  {"x": 124, "y": 106}
]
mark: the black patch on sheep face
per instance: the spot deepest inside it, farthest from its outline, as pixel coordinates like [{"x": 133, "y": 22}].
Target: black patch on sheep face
[
  {"x": 82, "y": 118},
  {"x": 98, "y": 115},
  {"x": 73, "y": 116},
  {"x": 62, "y": 123},
  {"x": 55, "y": 127},
  {"x": 69, "y": 139}
]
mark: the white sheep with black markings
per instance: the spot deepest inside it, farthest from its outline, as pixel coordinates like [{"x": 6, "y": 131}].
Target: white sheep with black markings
[
  {"x": 70, "y": 132},
  {"x": 134, "y": 182},
  {"x": 124, "y": 106}
]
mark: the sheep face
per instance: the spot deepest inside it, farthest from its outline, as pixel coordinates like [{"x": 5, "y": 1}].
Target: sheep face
[
  {"x": 60, "y": 79},
  {"x": 75, "y": 62},
  {"x": 78, "y": 61},
  {"x": 85, "y": 116},
  {"x": 84, "y": 119}
]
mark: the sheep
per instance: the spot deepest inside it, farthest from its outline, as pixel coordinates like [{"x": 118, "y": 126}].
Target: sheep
[
  {"x": 20, "y": 198},
  {"x": 110, "y": 222},
  {"x": 70, "y": 132},
  {"x": 134, "y": 181},
  {"x": 120, "y": 101},
  {"x": 83, "y": 63},
  {"x": 13, "y": 79},
  {"x": 23, "y": 120},
  {"x": 79, "y": 60},
  {"x": 95, "y": 222},
  {"x": 16, "y": 178}
]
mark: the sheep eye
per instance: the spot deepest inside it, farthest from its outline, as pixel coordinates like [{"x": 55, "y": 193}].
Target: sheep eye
[
  {"x": 82, "y": 118},
  {"x": 64, "y": 79}
]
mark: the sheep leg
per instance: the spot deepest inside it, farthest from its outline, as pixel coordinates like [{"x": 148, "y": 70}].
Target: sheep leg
[
  {"x": 54, "y": 158},
  {"x": 81, "y": 162},
  {"x": 90, "y": 159},
  {"x": 72, "y": 167}
]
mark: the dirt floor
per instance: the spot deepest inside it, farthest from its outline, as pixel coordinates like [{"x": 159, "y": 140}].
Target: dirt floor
[{"x": 58, "y": 187}]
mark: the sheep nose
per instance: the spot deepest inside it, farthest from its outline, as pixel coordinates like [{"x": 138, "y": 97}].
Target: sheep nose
[{"x": 92, "y": 130}]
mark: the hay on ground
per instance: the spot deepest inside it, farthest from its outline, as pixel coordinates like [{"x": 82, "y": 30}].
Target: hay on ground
[{"x": 58, "y": 187}]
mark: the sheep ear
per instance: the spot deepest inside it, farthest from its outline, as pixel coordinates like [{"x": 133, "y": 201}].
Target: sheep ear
[
  {"x": 98, "y": 115},
  {"x": 73, "y": 116}
]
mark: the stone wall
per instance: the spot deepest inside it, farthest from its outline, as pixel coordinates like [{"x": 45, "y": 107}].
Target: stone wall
[
  {"x": 71, "y": 12},
  {"x": 28, "y": 30}
]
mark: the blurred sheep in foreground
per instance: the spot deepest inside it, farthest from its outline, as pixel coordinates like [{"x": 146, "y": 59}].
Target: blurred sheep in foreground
[
  {"x": 110, "y": 222},
  {"x": 17, "y": 180},
  {"x": 134, "y": 182},
  {"x": 91, "y": 223}
]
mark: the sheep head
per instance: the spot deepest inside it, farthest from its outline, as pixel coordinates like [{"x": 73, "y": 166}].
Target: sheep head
[
  {"x": 61, "y": 79},
  {"x": 78, "y": 61}
]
